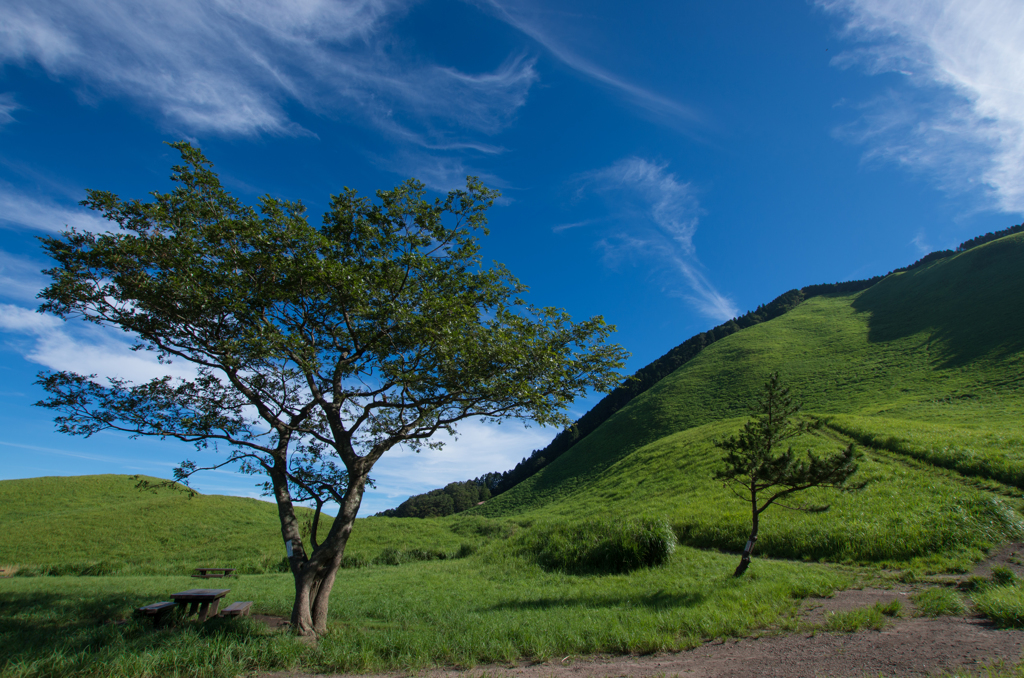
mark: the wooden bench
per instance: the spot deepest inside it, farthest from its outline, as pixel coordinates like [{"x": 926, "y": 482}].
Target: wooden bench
[
  {"x": 236, "y": 609},
  {"x": 213, "y": 572},
  {"x": 156, "y": 610}
]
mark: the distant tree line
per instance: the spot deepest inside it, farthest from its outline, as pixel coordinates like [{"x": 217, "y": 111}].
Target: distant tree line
[
  {"x": 432, "y": 503},
  {"x": 452, "y": 498},
  {"x": 988, "y": 237}
]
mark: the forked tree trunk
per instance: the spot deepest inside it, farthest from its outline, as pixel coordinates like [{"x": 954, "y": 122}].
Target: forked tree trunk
[
  {"x": 313, "y": 586},
  {"x": 314, "y": 578}
]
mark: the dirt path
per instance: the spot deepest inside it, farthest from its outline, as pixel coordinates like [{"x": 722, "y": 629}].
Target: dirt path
[{"x": 908, "y": 646}]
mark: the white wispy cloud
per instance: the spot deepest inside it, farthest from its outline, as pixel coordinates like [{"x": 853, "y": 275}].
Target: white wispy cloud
[
  {"x": 441, "y": 173},
  {"x": 18, "y": 209},
  {"x": 529, "y": 19},
  {"x": 672, "y": 205},
  {"x": 662, "y": 214},
  {"x": 574, "y": 224},
  {"x": 960, "y": 115},
  {"x": 479, "y": 448},
  {"x": 921, "y": 244},
  {"x": 20, "y": 279},
  {"x": 231, "y": 67},
  {"x": 7, "y": 106},
  {"x": 76, "y": 454},
  {"x": 86, "y": 349}
]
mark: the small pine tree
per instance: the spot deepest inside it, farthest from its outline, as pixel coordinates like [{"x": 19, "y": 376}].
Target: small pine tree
[{"x": 758, "y": 472}]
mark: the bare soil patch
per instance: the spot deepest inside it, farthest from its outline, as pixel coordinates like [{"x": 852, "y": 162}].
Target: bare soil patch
[
  {"x": 272, "y": 621},
  {"x": 815, "y": 611},
  {"x": 1009, "y": 556}
]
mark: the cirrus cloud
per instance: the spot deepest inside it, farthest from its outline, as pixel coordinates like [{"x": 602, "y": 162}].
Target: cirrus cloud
[
  {"x": 657, "y": 215},
  {"x": 232, "y": 68},
  {"x": 960, "y": 117}
]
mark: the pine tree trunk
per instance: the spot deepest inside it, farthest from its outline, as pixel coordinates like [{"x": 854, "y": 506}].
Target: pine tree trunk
[{"x": 749, "y": 548}]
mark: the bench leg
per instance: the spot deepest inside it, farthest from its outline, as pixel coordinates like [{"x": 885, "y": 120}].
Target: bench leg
[
  {"x": 203, "y": 610},
  {"x": 160, "y": 617}
]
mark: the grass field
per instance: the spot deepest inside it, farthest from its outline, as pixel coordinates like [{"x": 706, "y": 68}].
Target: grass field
[
  {"x": 909, "y": 515},
  {"x": 493, "y": 607},
  {"x": 924, "y": 371}
]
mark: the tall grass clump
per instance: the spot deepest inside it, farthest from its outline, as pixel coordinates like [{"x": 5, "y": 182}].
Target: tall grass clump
[
  {"x": 938, "y": 602},
  {"x": 1002, "y": 604},
  {"x": 599, "y": 545},
  {"x": 852, "y": 621}
]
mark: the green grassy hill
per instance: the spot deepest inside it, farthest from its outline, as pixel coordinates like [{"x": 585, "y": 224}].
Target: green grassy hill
[
  {"x": 102, "y": 524},
  {"x": 925, "y": 368}
]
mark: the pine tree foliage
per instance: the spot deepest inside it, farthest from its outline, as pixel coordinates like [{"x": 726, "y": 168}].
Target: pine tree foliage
[{"x": 760, "y": 472}]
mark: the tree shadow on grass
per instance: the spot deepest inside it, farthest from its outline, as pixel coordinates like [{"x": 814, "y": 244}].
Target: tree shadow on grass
[
  {"x": 41, "y": 628},
  {"x": 656, "y": 601},
  {"x": 970, "y": 306}
]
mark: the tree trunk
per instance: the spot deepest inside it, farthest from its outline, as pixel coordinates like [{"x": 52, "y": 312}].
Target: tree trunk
[
  {"x": 748, "y": 549},
  {"x": 313, "y": 586},
  {"x": 314, "y": 578}
]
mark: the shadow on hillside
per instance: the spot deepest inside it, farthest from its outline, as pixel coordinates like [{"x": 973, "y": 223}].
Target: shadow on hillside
[
  {"x": 970, "y": 306},
  {"x": 656, "y": 601}
]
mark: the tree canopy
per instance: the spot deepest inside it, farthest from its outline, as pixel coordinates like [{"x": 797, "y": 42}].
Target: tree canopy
[{"x": 314, "y": 349}]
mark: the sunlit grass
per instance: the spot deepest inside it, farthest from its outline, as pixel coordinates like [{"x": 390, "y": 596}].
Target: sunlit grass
[
  {"x": 939, "y": 601},
  {"x": 97, "y": 525},
  {"x": 908, "y": 515},
  {"x": 495, "y": 607},
  {"x": 988, "y": 445},
  {"x": 1002, "y": 604}
]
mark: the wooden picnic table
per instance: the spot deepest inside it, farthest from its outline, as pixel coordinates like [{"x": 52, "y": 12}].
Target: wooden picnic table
[
  {"x": 213, "y": 572},
  {"x": 205, "y": 600}
]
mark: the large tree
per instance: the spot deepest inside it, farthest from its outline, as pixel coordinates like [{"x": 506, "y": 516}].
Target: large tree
[
  {"x": 315, "y": 350},
  {"x": 760, "y": 472}
]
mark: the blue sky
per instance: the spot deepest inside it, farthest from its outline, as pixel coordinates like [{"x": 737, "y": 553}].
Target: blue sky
[{"x": 667, "y": 165}]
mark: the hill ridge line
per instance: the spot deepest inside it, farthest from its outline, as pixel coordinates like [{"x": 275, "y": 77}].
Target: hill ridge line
[{"x": 652, "y": 373}]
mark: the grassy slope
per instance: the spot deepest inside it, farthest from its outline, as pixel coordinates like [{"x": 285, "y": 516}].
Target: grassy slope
[
  {"x": 926, "y": 365},
  {"x": 104, "y": 519},
  {"x": 101, "y": 523}
]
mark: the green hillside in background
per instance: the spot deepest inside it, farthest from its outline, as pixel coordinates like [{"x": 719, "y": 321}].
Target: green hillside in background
[
  {"x": 103, "y": 524},
  {"x": 452, "y": 498},
  {"x": 924, "y": 370}
]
